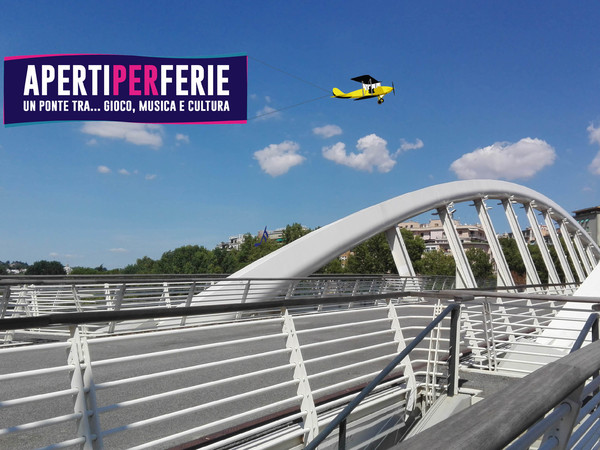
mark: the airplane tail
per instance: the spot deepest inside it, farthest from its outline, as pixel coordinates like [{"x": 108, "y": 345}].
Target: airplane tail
[{"x": 337, "y": 93}]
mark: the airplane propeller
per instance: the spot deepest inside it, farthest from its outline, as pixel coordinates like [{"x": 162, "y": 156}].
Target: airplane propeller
[{"x": 393, "y": 89}]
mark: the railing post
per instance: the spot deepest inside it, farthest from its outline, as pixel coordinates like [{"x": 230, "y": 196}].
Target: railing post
[
  {"x": 408, "y": 370},
  {"x": 117, "y": 306},
  {"x": 5, "y": 300},
  {"x": 454, "y": 350},
  {"x": 166, "y": 295},
  {"x": 244, "y": 298},
  {"x": 561, "y": 431},
  {"x": 188, "y": 301},
  {"x": 307, "y": 405},
  {"x": 88, "y": 426}
]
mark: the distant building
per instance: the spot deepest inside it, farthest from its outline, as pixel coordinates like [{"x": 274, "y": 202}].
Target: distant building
[
  {"x": 234, "y": 242},
  {"x": 588, "y": 219},
  {"x": 471, "y": 236},
  {"x": 275, "y": 235}
]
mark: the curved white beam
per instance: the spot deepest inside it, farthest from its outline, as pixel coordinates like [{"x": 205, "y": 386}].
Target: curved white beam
[{"x": 309, "y": 253}]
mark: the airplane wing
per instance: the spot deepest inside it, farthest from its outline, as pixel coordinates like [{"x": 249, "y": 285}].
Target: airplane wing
[{"x": 365, "y": 79}]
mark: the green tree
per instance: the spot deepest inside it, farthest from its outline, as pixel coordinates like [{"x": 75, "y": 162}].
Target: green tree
[
  {"x": 187, "y": 259},
  {"x": 333, "y": 266},
  {"x": 253, "y": 248},
  {"x": 415, "y": 245},
  {"x": 372, "y": 256},
  {"x": 436, "y": 263},
  {"x": 142, "y": 265},
  {"x": 538, "y": 261},
  {"x": 225, "y": 261},
  {"x": 44, "y": 267},
  {"x": 480, "y": 263},
  {"x": 513, "y": 259},
  {"x": 78, "y": 270},
  {"x": 293, "y": 232}
]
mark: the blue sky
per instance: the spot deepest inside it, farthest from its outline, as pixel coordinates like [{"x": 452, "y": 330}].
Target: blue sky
[{"x": 506, "y": 90}]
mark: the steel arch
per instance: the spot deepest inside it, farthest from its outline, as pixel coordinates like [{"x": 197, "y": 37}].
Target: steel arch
[{"x": 309, "y": 253}]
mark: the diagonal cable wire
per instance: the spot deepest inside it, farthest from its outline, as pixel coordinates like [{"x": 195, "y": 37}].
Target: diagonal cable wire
[
  {"x": 289, "y": 74},
  {"x": 287, "y": 107}
]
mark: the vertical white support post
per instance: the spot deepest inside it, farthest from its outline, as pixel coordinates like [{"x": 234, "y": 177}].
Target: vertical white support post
[
  {"x": 590, "y": 253},
  {"x": 76, "y": 299},
  {"x": 504, "y": 276},
  {"x": 531, "y": 271},
  {"x": 34, "y": 306},
  {"x": 571, "y": 249},
  {"x": 166, "y": 295},
  {"x": 399, "y": 252},
  {"x": 564, "y": 263},
  {"x": 541, "y": 243},
  {"x": 307, "y": 405},
  {"x": 5, "y": 300},
  {"x": 464, "y": 274},
  {"x": 582, "y": 254},
  {"x": 117, "y": 306},
  {"x": 408, "y": 369},
  {"x": 84, "y": 401},
  {"x": 108, "y": 299},
  {"x": 188, "y": 301},
  {"x": 238, "y": 315}
]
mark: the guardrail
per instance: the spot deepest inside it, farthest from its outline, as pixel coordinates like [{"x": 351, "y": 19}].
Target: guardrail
[
  {"x": 32, "y": 300},
  {"x": 548, "y": 405},
  {"x": 275, "y": 376}
]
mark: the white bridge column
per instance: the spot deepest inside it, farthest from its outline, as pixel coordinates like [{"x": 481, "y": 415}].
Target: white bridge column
[
  {"x": 553, "y": 277},
  {"x": 504, "y": 276},
  {"x": 464, "y": 274},
  {"x": 531, "y": 271},
  {"x": 571, "y": 249},
  {"x": 399, "y": 252},
  {"x": 590, "y": 252},
  {"x": 582, "y": 254},
  {"x": 564, "y": 263}
]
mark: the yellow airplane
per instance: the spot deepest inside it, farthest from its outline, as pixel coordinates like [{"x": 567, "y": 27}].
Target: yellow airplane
[{"x": 370, "y": 88}]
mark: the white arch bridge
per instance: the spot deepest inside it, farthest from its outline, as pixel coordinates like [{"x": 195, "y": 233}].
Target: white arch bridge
[{"x": 273, "y": 357}]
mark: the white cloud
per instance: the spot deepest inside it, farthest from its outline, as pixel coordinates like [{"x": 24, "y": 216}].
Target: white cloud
[
  {"x": 103, "y": 169},
  {"x": 277, "y": 159},
  {"x": 404, "y": 145},
  {"x": 119, "y": 250},
  {"x": 135, "y": 133},
  {"x": 327, "y": 131},
  {"x": 124, "y": 172},
  {"x": 150, "y": 176},
  {"x": 594, "y": 134},
  {"x": 373, "y": 153},
  {"x": 505, "y": 160},
  {"x": 267, "y": 113},
  {"x": 179, "y": 137}
]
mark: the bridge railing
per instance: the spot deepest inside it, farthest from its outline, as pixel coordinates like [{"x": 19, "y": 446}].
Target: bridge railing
[
  {"x": 31, "y": 300},
  {"x": 286, "y": 375},
  {"x": 554, "y": 407},
  {"x": 285, "y": 368}
]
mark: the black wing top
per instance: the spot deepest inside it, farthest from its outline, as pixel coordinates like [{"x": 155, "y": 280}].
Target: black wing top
[{"x": 365, "y": 79}]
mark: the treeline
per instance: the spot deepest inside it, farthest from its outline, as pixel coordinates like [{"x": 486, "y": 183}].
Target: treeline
[{"x": 370, "y": 257}]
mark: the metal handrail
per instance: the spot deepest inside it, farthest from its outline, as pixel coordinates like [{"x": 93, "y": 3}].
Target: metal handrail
[
  {"x": 591, "y": 324},
  {"x": 155, "y": 313},
  {"x": 530, "y": 398},
  {"x": 340, "y": 419}
]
